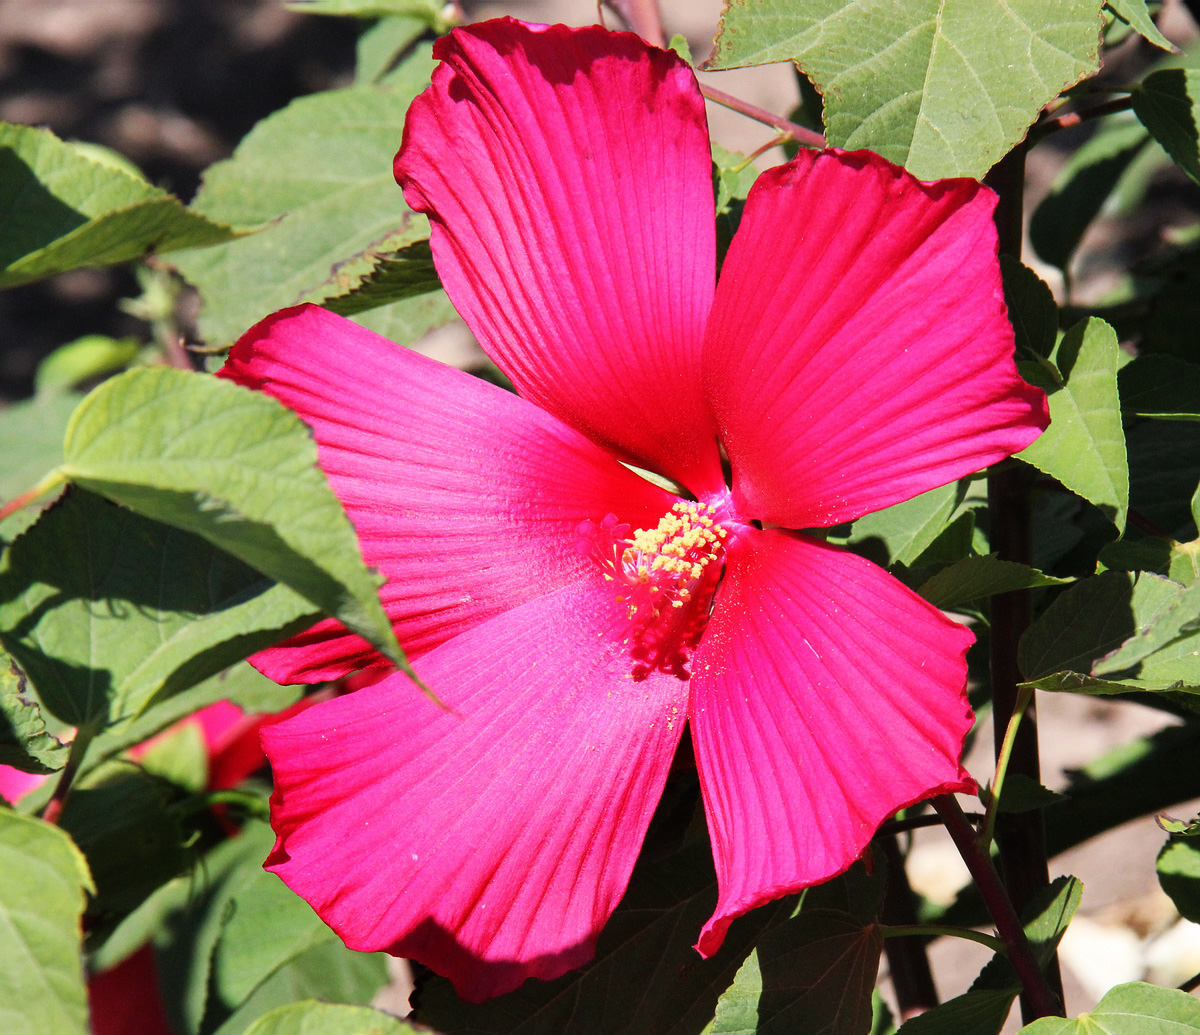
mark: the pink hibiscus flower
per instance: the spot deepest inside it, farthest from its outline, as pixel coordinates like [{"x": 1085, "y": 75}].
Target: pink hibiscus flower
[{"x": 574, "y": 616}]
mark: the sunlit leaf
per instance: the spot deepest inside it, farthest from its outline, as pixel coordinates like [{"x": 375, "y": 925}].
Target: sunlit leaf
[
  {"x": 944, "y": 87},
  {"x": 317, "y": 178},
  {"x": 1133, "y": 1009},
  {"x": 1136, "y": 15},
  {"x": 239, "y": 469},
  {"x": 900, "y": 534},
  {"x": 1178, "y": 868},
  {"x": 62, "y": 209},
  {"x": 43, "y": 880},
  {"x": 313, "y": 1018},
  {"x": 1084, "y": 447}
]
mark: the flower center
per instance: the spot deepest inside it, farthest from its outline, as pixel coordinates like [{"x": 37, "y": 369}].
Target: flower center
[{"x": 665, "y": 576}]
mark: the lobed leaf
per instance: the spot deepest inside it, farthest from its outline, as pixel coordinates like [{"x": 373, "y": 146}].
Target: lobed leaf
[
  {"x": 61, "y": 208},
  {"x": 43, "y": 881},
  {"x": 943, "y": 87},
  {"x": 237, "y": 468}
]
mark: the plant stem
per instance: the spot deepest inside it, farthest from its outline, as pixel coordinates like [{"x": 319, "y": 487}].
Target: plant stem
[
  {"x": 908, "y": 961},
  {"x": 79, "y": 746},
  {"x": 899, "y": 826},
  {"x": 1020, "y": 837},
  {"x": 52, "y": 481},
  {"x": 801, "y": 134},
  {"x": 1024, "y": 696},
  {"x": 1076, "y": 118},
  {"x": 939, "y": 931},
  {"x": 1037, "y": 999}
]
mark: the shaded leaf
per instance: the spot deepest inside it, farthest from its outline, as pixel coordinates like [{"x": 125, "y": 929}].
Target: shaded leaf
[
  {"x": 974, "y": 578},
  {"x": 236, "y": 467},
  {"x": 107, "y": 610},
  {"x": 945, "y": 89},
  {"x": 1133, "y": 1009},
  {"x": 1178, "y": 869},
  {"x": 43, "y": 880},
  {"x": 1031, "y": 307},
  {"x": 1160, "y": 386},
  {"x": 31, "y": 437},
  {"x": 813, "y": 973},
  {"x": 398, "y": 275},
  {"x": 1082, "y": 187},
  {"x": 972, "y": 1013},
  {"x": 1166, "y": 102},
  {"x": 62, "y": 209},
  {"x": 1045, "y": 920},
  {"x": 1084, "y": 447}
]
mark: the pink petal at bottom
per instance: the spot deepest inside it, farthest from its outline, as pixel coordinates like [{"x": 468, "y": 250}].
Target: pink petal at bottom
[
  {"x": 826, "y": 696},
  {"x": 491, "y": 841}
]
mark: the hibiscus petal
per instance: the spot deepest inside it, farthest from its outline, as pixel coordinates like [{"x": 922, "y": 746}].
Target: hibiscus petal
[
  {"x": 567, "y": 176},
  {"x": 466, "y": 497},
  {"x": 859, "y": 351},
  {"x": 490, "y": 842},
  {"x": 826, "y": 696}
]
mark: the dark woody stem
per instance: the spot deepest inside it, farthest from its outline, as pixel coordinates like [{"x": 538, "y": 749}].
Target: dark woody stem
[
  {"x": 1037, "y": 999},
  {"x": 1020, "y": 837}
]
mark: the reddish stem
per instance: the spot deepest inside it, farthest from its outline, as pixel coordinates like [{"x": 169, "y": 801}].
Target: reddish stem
[
  {"x": 801, "y": 134},
  {"x": 1042, "y": 1002}
]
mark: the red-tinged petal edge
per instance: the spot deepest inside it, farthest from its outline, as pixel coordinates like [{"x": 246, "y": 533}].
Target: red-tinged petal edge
[
  {"x": 491, "y": 841},
  {"x": 466, "y": 497},
  {"x": 860, "y": 351},
  {"x": 826, "y": 696},
  {"x": 567, "y": 177}
]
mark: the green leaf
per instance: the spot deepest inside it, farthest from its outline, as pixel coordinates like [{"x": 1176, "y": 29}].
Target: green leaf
[
  {"x": 62, "y": 209},
  {"x": 651, "y": 936},
  {"x": 25, "y": 743},
  {"x": 1166, "y": 102},
  {"x": 972, "y": 1013},
  {"x": 317, "y": 176},
  {"x": 91, "y": 356},
  {"x": 432, "y": 12},
  {"x": 1093, "y": 617},
  {"x": 1133, "y": 1009},
  {"x": 267, "y": 925},
  {"x": 1031, "y": 307},
  {"x": 313, "y": 1018},
  {"x": 974, "y": 578},
  {"x": 812, "y": 973},
  {"x": 1045, "y": 920},
  {"x": 124, "y": 821},
  {"x": 1083, "y": 186},
  {"x": 329, "y": 970},
  {"x": 380, "y": 46},
  {"x": 1084, "y": 447},
  {"x": 107, "y": 610},
  {"x": 31, "y": 436},
  {"x": 1022, "y": 793},
  {"x": 1179, "y": 875},
  {"x": 1135, "y": 14},
  {"x": 239, "y": 469},
  {"x": 900, "y": 534},
  {"x": 1160, "y": 386},
  {"x": 43, "y": 880},
  {"x": 943, "y": 87},
  {"x": 399, "y": 275}
]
